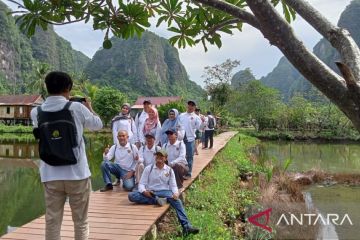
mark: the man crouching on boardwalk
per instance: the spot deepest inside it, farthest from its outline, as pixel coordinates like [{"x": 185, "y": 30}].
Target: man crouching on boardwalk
[
  {"x": 125, "y": 157},
  {"x": 158, "y": 186}
]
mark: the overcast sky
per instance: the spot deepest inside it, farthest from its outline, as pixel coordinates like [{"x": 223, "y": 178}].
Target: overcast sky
[{"x": 248, "y": 46}]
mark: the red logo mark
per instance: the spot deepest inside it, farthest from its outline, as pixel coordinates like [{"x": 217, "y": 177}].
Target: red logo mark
[{"x": 253, "y": 220}]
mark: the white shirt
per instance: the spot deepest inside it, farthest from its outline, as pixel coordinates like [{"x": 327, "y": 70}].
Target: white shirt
[
  {"x": 83, "y": 119},
  {"x": 189, "y": 123},
  {"x": 124, "y": 156},
  {"x": 125, "y": 124},
  {"x": 176, "y": 152},
  {"x": 139, "y": 121},
  {"x": 155, "y": 131},
  {"x": 146, "y": 155},
  {"x": 206, "y": 123},
  {"x": 155, "y": 179}
]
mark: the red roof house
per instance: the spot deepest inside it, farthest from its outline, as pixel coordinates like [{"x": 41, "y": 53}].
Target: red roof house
[{"x": 155, "y": 101}]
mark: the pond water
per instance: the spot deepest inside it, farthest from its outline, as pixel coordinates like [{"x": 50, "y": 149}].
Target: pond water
[
  {"x": 337, "y": 199},
  {"x": 21, "y": 197},
  {"x": 330, "y": 157}
]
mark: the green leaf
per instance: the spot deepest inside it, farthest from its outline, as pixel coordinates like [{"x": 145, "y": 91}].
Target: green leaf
[
  {"x": 217, "y": 41},
  {"x": 107, "y": 44},
  {"x": 286, "y": 12}
]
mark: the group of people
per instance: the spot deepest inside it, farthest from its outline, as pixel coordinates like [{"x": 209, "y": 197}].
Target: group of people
[{"x": 151, "y": 159}]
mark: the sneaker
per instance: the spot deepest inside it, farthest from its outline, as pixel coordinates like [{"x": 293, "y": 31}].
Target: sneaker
[
  {"x": 107, "y": 187},
  {"x": 190, "y": 230},
  {"x": 116, "y": 183},
  {"x": 161, "y": 201}
]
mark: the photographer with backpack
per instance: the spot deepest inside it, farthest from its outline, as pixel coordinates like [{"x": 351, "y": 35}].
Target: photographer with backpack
[{"x": 59, "y": 126}]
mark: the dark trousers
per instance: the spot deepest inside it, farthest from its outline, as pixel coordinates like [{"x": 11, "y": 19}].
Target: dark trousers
[
  {"x": 180, "y": 171},
  {"x": 209, "y": 134}
]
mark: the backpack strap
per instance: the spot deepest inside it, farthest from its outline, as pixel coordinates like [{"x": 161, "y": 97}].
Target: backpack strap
[
  {"x": 152, "y": 166},
  {"x": 67, "y": 105}
]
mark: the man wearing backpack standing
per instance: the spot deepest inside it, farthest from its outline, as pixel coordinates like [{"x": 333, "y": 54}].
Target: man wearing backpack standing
[
  {"x": 210, "y": 124},
  {"x": 61, "y": 180}
]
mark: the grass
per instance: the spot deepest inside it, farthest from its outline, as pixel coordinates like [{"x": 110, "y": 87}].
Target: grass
[{"x": 215, "y": 202}]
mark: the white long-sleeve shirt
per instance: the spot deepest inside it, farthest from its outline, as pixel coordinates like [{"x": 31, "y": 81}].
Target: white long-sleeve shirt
[
  {"x": 125, "y": 124},
  {"x": 176, "y": 152},
  {"x": 83, "y": 119},
  {"x": 146, "y": 155},
  {"x": 139, "y": 121},
  {"x": 155, "y": 131},
  {"x": 189, "y": 122},
  {"x": 124, "y": 156},
  {"x": 155, "y": 179}
]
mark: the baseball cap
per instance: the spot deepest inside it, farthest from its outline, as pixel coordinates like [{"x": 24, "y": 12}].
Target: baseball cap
[
  {"x": 161, "y": 152},
  {"x": 150, "y": 135},
  {"x": 171, "y": 131},
  {"x": 191, "y": 101}
]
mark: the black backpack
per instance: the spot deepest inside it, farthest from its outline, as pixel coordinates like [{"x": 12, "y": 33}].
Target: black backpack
[
  {"x": 57, "y": 136},
  {"x": 211, "y": 122}
]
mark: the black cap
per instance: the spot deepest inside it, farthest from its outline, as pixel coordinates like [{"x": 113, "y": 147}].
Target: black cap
[
  {"x": 191, "y": 101},
  {"x": 147, "y": 101},
  {"x": 150, "y": 135},
  {"x": 171, "y": 131}
]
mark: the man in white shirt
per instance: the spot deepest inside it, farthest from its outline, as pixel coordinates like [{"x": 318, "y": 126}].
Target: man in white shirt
[
  {"x": 176, "y": 152},
  {"x": 72, "y": 181},
  {"x": 146, "y": 155},
  {"x": 189, "y": 122},
  {"x": 158, "y": 186},
  {"x": 140, "y": 120},
  {"x": 123, "y": 167},
  {"x": 210, "y": 124}
]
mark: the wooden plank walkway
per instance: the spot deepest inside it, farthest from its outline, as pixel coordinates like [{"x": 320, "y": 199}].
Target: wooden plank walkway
[{"x": 111, "y": 215}]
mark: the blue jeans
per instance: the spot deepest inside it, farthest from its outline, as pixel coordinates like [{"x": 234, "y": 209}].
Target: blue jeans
[
  {"x": 108, "y": 168},
  {"x": 138, "y": 197},
  {"x": 190, "y": 148}
]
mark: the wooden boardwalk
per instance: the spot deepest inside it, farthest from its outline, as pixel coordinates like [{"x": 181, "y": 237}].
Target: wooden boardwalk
[{"x": 111, "y": 215}]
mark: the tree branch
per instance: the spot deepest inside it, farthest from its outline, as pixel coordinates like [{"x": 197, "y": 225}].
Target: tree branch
[
  {"x": 223, "y": 24},
  {"x": 350, "y": 80},
  {"x": 235, "y": 11},
  {"x": 17, "y": 3},
  {"x": 339, "y": 38},
  {"x": 312, "y": 68},
  {"x": 63, "y": 23}
]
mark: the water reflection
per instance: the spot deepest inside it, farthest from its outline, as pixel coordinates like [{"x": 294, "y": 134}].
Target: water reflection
[
  {"x": 329, "y": 157},
  {"x": 21, "y": 195}
]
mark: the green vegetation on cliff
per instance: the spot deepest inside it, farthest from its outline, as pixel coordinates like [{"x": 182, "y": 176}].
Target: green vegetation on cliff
[
  {"x": 148, "y": 66},
  {"x": 20, "y": 55}
]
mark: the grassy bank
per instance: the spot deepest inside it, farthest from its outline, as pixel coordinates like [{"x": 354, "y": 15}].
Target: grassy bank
[
  {"x": 302, "y": 135},
  {"x": 215, "y": 201}
]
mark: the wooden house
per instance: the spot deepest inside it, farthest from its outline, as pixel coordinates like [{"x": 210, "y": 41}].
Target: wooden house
[{"x": 15, "y": 109}]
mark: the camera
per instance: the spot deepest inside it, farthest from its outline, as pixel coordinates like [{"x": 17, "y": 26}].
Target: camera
[{"x": 77, "y": 99}]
